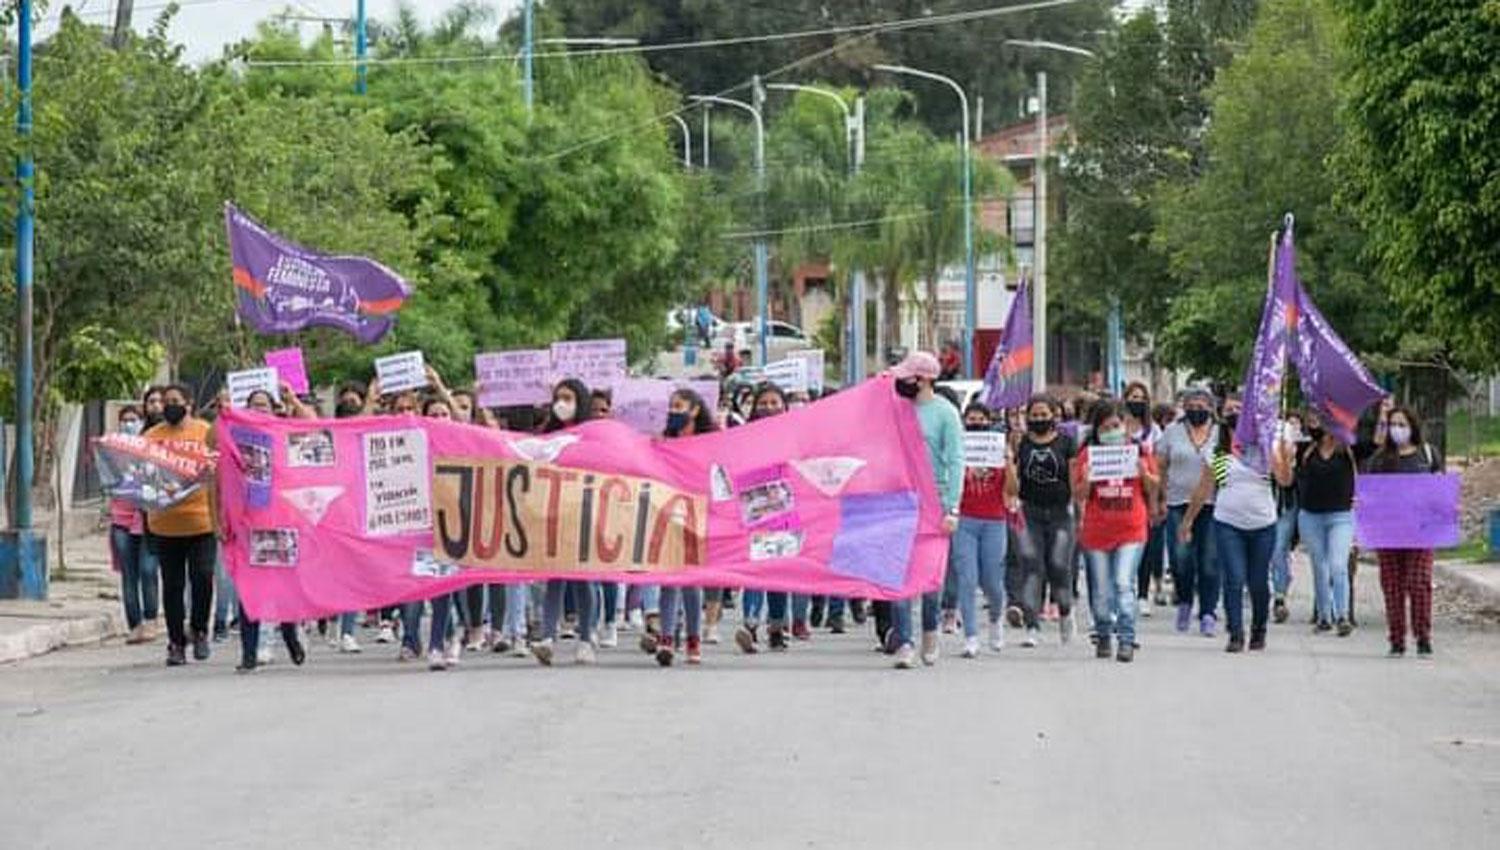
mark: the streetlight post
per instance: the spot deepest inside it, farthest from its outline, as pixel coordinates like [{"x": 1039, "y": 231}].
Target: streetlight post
[
  {"x": 854, "y": 152},
  {"x": 970, "y": 288},
  {"x": 23, "y": 552},
  {"x": 527, "y": 48},
  {"x": 361, "y": 47},
  {"x": 762, "y": 258},
  {"x": 687, "y": 141}
]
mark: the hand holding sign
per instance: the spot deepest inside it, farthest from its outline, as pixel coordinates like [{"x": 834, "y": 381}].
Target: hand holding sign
[
  {"x": 398, "y": 373},
  {"x": 1114, "y": 463},
  {"x": 242, "y": 384}
]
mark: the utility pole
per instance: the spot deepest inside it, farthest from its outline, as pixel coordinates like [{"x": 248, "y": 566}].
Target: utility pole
[
  {"x": 123, "y": 10},
  {"x": 528, "y": 40},
  {"x": 1039, "y": 273},
  {"x": 361, "y": 47},
  {"x": 23, "y": 552},
  {"x": 857, "y": 278}
]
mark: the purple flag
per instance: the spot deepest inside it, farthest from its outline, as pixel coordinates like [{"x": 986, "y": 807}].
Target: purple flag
[
  {"x": 1266, "y": 375},
  {"x": 284, "y": 287},
  {"x": 1007, "y": 381}
]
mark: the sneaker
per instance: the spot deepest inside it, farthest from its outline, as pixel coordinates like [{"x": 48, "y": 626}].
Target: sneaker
[
  {"x": 776, "y": 639},
  {"x": 473, "y": 640},
  {"x": 634, "y": 621},
  {"x": 857, "y": 611},
  {"x": 800, "y": 631},
  {"x": 436, "y": 660},
  {"x": 1397, "y": 650},
  {"x": 245, "y": 666},
  {"x": 664, "y": 653},
  {"x": 1236, "y": 644},
  {"x": 997, "y": 636},
  {"x": 1323, "y": 626},
  {"x": 1102, "y": 647},
  {"x": 1144, "y": 609},
  {"x": 455, "y": 652},
  {"x": 950, "y": 622},
  {"x": 1424, "y": 646},
  {"x": 906, "y": 657},
  {"x": 1257, "y": 641},
  {"x": 1161, "y": 600},
  {"x": 201, "y": 649},
  {"x": 500, "y": 644},
  {"x": 1066, "y": 628},
  {"x": 747, "y": 638},
  {"x": 971, "y": 647},
  {"x": 1346, "y": 628},
  {"x": 137, "y": 635},
  {"x": 263, "y": 656},
  {"x": 711, "y": 634},
  {"x": 542, "y": 652},
  {"x": 929, "y": 648},
  {"x": 1126, "y": 653},
  {"x": 836, "y": 625},
  {"x": 518, "y": 648},
  {"x": 347, "y": 643},
  {"x": 1184, "y": 616},
  {"x": 1207, "y": 625},
  {"x": 1033, "y": 637},
  {"x": 296, "y": 652},
  {"x": 176, "y": 655},
  {"x": 221, "y": 634},
  {"x": 1279, "y": 612},
  {"x": 649, "y": 642},
  {"x": 567, "y": 632},
  {"x": 387, "y": 634},
  {"x": 1013, "y": 616},
  {"x": 406, "y": 654},
  {"x": 609, "y": 637},
  {"x": 694, "y": 650},
  {"x": 585, "y": 654}
]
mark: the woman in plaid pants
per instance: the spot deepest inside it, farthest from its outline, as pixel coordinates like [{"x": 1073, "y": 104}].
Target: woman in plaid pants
[{"x": 1406, "y": 574}]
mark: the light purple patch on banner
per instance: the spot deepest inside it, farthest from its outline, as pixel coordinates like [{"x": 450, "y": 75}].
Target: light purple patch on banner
[{"x": 876, "y": 533}]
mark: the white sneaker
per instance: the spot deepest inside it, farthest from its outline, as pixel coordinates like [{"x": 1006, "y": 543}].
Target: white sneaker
[
  {"x": 542, "y": 649},
  {"x": 929, "y": 648},
  {"x": 906, "y": 657},
  {"x": 586, "y": 652},
  {"x": 1143, "y": 609},
  {"x": 711, "y": 634},
  {"x": 263, "y": 655},
  {"x": 971, "y": 647},
  {"x": 1066, "y": 627},
  {"x": 347, "y": 643},
  {"x": 518, "y": 647},
  {"x": 455, "y": 652},
  {"x": 1033, "y": 637},
  {"x": 387, "y": 635},
  {"x": 997, "y": 636},
  {"x": 436, "y": 660},
  {"x": 610, "y": 637},
  {"x": 635, "y": 622}
]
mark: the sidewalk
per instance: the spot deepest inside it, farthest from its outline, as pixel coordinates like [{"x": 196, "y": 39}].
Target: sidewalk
[
  {"x": 1480, "y": 582},
  {"x": 83, "y": 609}
]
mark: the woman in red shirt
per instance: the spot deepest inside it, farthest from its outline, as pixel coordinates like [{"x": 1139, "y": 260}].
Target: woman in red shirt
[
  {"x": 977, "y": 552},
  {"x": 1112, "y": 490}
]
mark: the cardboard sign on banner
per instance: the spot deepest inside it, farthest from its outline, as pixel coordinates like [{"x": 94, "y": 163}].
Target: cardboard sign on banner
[
  {"x": 816, "y": 366},
  {"x": 984, "y": 449},
  {"x": 401, "y": 372},
  {"x": 1114, "y": 463},
  {"x": 513, "y": 378},
  {"x": 246, "y": 381},
  {"x": 790, "y": 375},
  {"x": 642, "y": 403},
  {"x": 599, "y": 363},
  {"x": 288, "y": 364}
]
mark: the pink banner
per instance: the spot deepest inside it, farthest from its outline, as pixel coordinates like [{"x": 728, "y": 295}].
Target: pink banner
[
  {"x": 288, "y": 364},
  {"x": 836, "y": 498}
]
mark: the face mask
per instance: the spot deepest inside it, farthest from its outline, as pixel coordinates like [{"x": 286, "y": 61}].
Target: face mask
[
  {"x": 1137, "y": 410},
  {"x": 1196, "y": 417},
  {"x": 131, "y": 427},
  {"x": 1112, "y": 438},
  {"x": 174, "y": 413},
  {"x": 1316, "y": 433},
  {"x": 1232, "y": 421},
  {"x": 153, "y": 419},
  {"x": 908, "y": 388},
  {"x": 347, "y": 409},
  {"x": 676, "y": 422},
  {"x": 762, "y": 413},
  {"x": 1400, "y": 434},
  {"x": 976, "y": 426},
  {"x": 564, "y": 410},
  {"x": 1040, "y": 426}
]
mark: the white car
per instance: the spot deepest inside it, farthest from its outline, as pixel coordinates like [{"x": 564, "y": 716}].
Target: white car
[
  {"x": 782, "y": 340},
  {"x": 968, "y": 391}
]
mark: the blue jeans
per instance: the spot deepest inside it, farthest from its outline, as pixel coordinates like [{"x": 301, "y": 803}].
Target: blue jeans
[
  {"x": 1193, "y": 565},
  {"x": 1281, "y": 555},
  {"x": 1328, "y": 538},
  {"x": 411, "y": 623},
  {"x": 582, "y": 593},
  {"x": 138, "y": 574},
  {"x": 977, "y": 557},
  {"x": 1246, "y": 557},
  {"x": 776, "y": 604},
  {"x": 901, "y": 616},
  {"x": 226, "y": 600},
  {"x": 690, "y": 600},
  {"x": 753, "y": 602},
  {"x": 1112, "y": 575}
]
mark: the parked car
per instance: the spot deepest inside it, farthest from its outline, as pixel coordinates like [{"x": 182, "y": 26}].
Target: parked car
[{"x": 782, "y": 340}]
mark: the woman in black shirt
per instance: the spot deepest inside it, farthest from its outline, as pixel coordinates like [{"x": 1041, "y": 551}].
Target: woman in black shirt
[
  {"x": 1406, "y": 574},
  {"x": 1325, "y": 521},
  {"x": 1045, "y": 548}
]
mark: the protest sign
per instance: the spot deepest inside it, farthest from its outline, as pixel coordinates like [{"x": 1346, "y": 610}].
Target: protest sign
[
  {"x": 599, "y": 363},
  {"x": 246, "y": 381},
  {"x": 790, "y": 375},
  {"x": 816, "y": 366},
  {"x": 1407, "y": 511},
  {"x": 1114, "y": 463},
  {"x": 513, "y": 378},
  {"x": 154, "y": 475},
  {"x": 642, "y": 403},
  {"x": 431, "y": 507},
  {"x": 986, "y": 449},
  {"x": 289, "y": 367},
  {"x": 398, "y": 373}
]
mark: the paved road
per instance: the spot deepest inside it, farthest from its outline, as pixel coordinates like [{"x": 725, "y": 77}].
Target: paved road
[{"x": 1317, "y": 742}]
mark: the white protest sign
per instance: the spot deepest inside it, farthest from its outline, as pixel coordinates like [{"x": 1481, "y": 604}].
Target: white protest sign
[
  {"x": 984, "y": 449},
  {"x": 401, "y": 372},
  {"x": 241, "y": 384},
  {"x": 790, "y": 375},
  {"x": 599, "y": 363},
  {"x": 816, "y": 366},
  {"x": 513, "y": 378},
  {"x": 397, "y": 497},
  {"x": 1114, "y": 463}
]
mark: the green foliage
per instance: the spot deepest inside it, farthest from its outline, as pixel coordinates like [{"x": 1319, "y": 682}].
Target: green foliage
[{"x": 101, "y": 362}]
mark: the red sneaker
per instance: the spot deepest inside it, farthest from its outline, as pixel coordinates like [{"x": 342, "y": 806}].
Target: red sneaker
[
  {"x": 694, "y": 650},
  {"x": 800, "y": 631}
]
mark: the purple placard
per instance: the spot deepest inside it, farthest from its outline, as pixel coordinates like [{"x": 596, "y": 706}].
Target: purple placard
[
  {"x": 257, "y": 454},
  {"x": 599, "y": 363},
  {"x": 642, "y": 403},
  {"x": 1407, "y": 511},
  {"x": 512, "y": 378},
  {"x": 876, "y": 534}
]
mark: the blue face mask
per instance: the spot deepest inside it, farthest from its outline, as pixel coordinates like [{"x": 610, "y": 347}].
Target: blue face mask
[{"x": 676, "y": 422}]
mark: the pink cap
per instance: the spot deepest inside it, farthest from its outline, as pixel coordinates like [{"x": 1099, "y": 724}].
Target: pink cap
[{"x": 918, "y": 364}]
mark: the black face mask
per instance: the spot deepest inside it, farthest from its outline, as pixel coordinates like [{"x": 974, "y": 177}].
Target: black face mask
[
  {"x": 979, "y": 427},
  {"x": 1040, "y": 427},
  {"x": 1196, "y": 417},
  {"x": 153, "y": 419},
  {"x": 347, "y": 409},
  {"x": 1137, "y": 410},
  {"x": 908, "y": 388},
  {"x": 1316, "y": 433},
  {"x": 1232, "y": 421},
  {"x": 174, "y": 413}
]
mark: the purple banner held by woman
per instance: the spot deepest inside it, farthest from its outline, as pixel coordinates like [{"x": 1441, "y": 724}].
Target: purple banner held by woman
[{"x": 1007, "y": 382}]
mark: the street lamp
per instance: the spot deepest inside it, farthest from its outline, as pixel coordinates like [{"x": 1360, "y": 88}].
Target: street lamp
[
  {"x": 687, "y": 141},
  {"x": 970, "y": 290},
  {"x": 762, "y": 296}
]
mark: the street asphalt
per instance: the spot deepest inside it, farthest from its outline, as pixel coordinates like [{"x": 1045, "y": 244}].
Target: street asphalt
[{"x": 1319, "y": 741}]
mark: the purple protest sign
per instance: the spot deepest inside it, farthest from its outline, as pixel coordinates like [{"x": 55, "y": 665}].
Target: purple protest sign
[
  {"x": 284, "y": 287},
  {"x": 289, "y": 367},
  {"x": 513, "y": 378},
  {"x": 642, "y": 403},
  {"x": 1407, "y": 511},
  {"x": 1007, "y": 381},
  {"x": 599, "y": 363}
]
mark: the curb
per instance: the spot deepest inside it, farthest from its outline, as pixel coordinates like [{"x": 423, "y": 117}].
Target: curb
[
  {"x": 1462, "y": 576},
  {"x": 45, "y": 637}
]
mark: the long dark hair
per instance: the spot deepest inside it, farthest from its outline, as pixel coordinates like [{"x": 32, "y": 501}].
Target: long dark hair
[
  {"x": 582, "y": 407},
  {"x": 704, "y": 422},
  {"x": 1386, "y": 456},
  {"x": 1098, "y": 412}
]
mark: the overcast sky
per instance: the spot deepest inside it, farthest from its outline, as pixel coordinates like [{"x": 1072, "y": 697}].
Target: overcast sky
[{"x": 205, "y": 26}]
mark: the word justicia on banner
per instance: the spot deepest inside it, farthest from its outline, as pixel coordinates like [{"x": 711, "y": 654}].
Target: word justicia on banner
[{"x": 836, "y": 499}]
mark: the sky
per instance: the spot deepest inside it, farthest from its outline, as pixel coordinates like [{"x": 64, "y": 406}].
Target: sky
[{"x": 206, "y": 26}]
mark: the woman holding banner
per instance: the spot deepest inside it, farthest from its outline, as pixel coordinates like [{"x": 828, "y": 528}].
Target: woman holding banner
[
  {"x": 1325, "y": 521},
  {"x": 571, "y": 405},
  {"x": 687, "y": 416},
  {"x": 127, "y": 551},
  {"x": 765, "y": 400},
  {"x": 1406, "y": 574}
]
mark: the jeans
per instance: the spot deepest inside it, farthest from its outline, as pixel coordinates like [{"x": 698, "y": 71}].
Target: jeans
[
  {"x": 226, "y": 598},
  {"x": 250, "y": 637},
  {"x": 901, "y": 616},
  {"x": 977, "y": 556},
  {"x": 1151, "y": 560},
  {"x": 776, "y": 604},
  {"x": 753, "y": 603},
  {"x": 610, "y": 592},
  {"x": 346, "y": 623},
  {"x": 646, "y": 597},
  {"x": 138, "y": 574},
  {"x": 1112, "y": 574},
  {"x": 582, "y": 593},
  {"x": 690, "y": 600},
  {"x": 1045, "y": 555},
  {"x": 1281, "y": 555},
  {"x": 1246, "y": 557},
  {"x": 186, "y": 563},
  {"x": 1193, "y": 564},
  {"x": 1328, "y": 538}
]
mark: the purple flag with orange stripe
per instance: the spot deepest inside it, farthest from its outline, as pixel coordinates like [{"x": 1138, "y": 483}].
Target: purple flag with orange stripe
[
  {"x": 282, "y": 287},
  {"x": 1007, "y": 381}
]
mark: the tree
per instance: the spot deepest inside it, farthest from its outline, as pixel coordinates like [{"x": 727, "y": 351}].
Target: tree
[{"x": 1421, "y": 164}]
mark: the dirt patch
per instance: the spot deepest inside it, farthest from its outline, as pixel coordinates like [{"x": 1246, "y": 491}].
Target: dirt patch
[{"x": 1481, "y": 494}]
